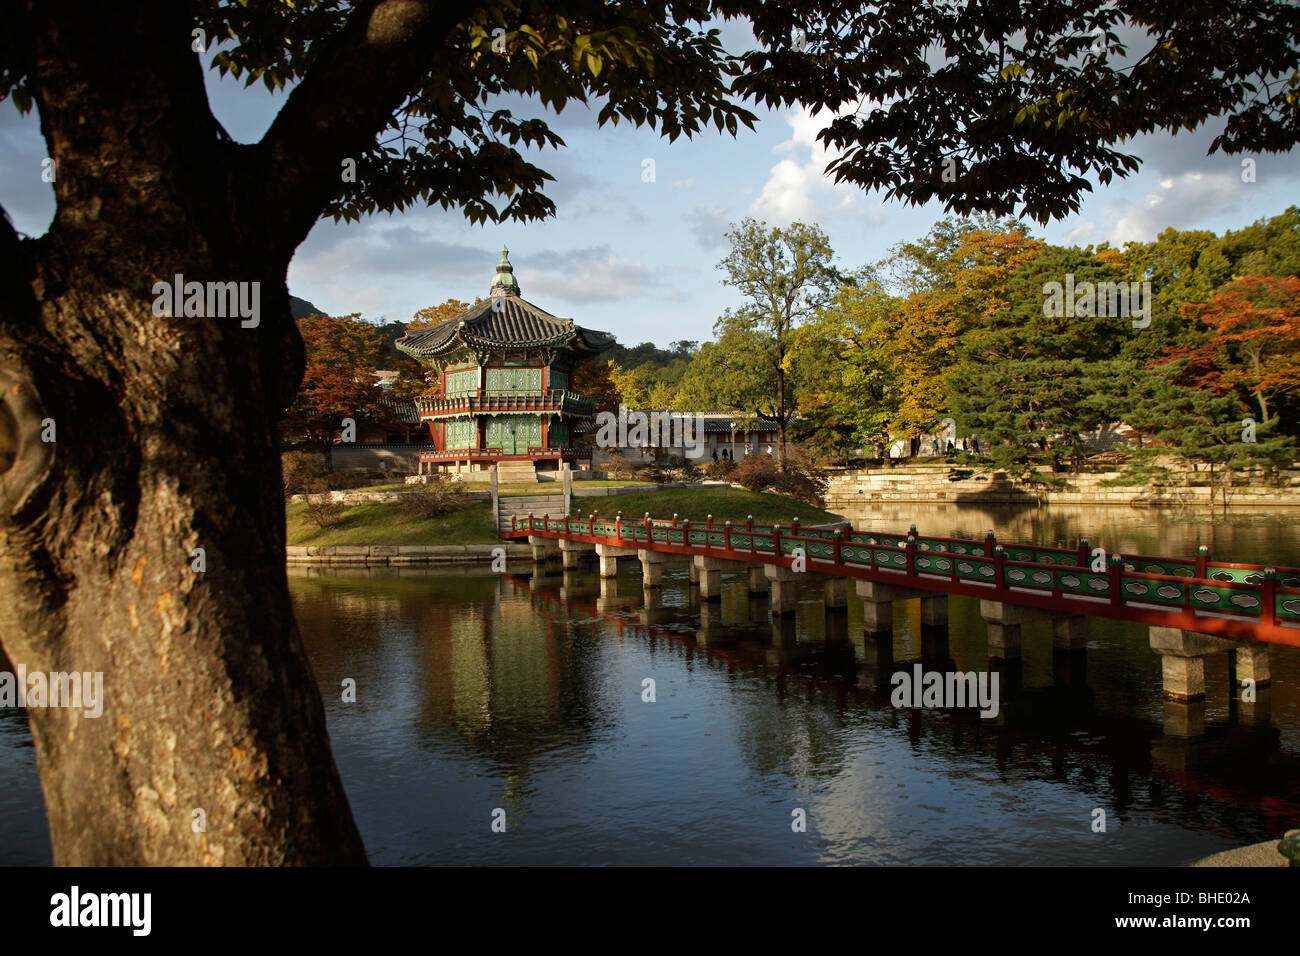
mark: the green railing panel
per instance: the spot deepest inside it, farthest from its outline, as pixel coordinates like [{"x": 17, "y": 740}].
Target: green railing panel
[
  {"x": 1083, "y": 582},
  {"x": 1238, "y": 575},
  {"x": 788, "y": 546},
  {"x": 851, "y": 555},
  {"x": 1067, "y": 559},
  {"x": 742, "y": 541},
  {"x": 1228, "y": 600},
  {"x": 762, "y": 543},
  {"x": 1287, "y": 606},
  {"x": 676, "y": 536},
  {"x": 717, "y": 537},
  {"x": 1028, "y": 578},
  {"x": 698, "y": 536},
  {"x": 821, "y": 549},
  {"x": 1020, "y": 554},
  {"x": 975, "y": 570},
  {"x": 1183, "y": 569},
  {"x": 1153, "y": 592}
]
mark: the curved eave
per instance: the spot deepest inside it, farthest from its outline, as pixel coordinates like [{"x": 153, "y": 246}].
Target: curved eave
[{"x": 571, "y": 340}]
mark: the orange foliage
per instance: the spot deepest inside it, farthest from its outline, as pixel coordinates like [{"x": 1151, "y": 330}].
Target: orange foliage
[{"x": 1254, "y": 339}]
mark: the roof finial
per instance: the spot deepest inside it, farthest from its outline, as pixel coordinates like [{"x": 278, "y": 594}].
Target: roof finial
[{"x": 504, "y": 282}]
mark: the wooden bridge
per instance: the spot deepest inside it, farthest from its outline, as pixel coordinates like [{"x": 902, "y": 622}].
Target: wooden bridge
[{"x": 1193, "y": 606}]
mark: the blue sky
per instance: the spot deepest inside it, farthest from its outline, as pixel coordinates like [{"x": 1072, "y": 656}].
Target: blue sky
[{"x": 639, "y": 258}]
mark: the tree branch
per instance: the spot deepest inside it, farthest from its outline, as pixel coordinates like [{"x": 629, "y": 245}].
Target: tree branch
[{"x": 342, "y": 104}]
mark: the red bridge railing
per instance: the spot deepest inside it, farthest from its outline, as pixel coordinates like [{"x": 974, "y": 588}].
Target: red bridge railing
[{"x": 1241, "y": 601}]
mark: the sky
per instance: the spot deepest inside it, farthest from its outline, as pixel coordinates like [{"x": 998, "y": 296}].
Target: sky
[{"x": 637, "y": 255}]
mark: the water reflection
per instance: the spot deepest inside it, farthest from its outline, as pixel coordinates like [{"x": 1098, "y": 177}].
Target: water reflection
[
  {"x": 523, "y": 692},
  {"x": 534, "y": 705}
]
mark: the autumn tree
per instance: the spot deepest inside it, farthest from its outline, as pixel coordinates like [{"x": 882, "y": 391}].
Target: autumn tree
[
  {"x": 338, "y": 380},
  {"x": 956, "y": 281},
  {"x": 1253, "y": 340},
  {"x": 434, "y": 314},
  {"x": 167, "y": 418}
]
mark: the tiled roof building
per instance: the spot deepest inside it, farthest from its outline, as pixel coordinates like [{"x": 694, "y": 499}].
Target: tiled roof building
[{"x": 505, "y": 367}]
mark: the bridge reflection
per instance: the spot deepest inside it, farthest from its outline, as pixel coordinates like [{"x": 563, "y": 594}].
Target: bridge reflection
[{"x": 1200, "y": 755}]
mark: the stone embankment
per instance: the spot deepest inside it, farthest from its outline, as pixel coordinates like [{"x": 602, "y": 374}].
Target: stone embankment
[
  {"x": 398, "y": 555},
  {"x": 962, "y": 485}
]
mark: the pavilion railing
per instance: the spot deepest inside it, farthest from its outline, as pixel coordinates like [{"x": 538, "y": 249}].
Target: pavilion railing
[{"x": 486, "y": 400}]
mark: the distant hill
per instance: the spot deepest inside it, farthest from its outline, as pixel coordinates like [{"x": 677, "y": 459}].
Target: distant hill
[{"x": 301, "y": 308}]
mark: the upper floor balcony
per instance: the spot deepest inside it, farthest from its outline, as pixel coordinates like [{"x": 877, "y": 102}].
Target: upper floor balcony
[{"x": 558, "y": 401}]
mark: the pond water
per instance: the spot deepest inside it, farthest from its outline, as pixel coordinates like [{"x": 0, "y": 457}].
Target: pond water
[{"x": 519, "y": 698}]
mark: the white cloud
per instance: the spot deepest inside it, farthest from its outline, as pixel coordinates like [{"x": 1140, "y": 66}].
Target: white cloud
[
  {"x": 1181, "y": 201},
  {"x": 797, "y": 187}
]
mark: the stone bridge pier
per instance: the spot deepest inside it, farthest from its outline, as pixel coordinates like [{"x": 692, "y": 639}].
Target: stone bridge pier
[
  {"x": 543, "y": 548},
  {"x": 878, "y": 606},
  {"x": 1182, "y": 660},
  {"x": 571, "y": 552},
  {"x": 1069, "y": 631},
  {"x": 609, "y": 555},
  {"x": 707, "y": 572}
]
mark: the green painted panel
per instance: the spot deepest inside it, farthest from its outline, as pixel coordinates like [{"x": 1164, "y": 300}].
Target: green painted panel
[
  {"x": 1240, "y": 575},
  {"x": 978, "y": 570},
  {"x": 1028, "y": 578},
  {"x": 1179, "y": 568},
  {"x": 1228, "y": 600},
  {"x": 461, "y": 433},
  {"x": 1153, "y": 592},
  {"x": 1083, "y": 582},
  {"x": 1288, "y": 606}
]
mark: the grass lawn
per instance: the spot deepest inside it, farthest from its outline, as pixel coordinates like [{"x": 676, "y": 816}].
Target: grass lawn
[{"x": 385, "y": 523}]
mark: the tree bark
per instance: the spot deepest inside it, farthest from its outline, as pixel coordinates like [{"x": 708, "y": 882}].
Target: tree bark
[{"x": 212, "y": 746}]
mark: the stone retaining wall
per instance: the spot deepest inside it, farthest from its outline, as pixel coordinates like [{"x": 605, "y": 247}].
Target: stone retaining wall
[
  {"x": 932, "y": 484},
  {"x": 399, "y": 555}
]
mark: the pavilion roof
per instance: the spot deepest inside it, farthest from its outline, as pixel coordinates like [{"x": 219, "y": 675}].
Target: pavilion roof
[{"x": 506, "y": 320}]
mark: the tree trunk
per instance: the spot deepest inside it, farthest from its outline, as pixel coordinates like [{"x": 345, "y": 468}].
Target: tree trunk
[
  {"x": 211, "y": 747},
  {"x": 780, "y": 417},
  {"x": 209, "y": 703}
]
